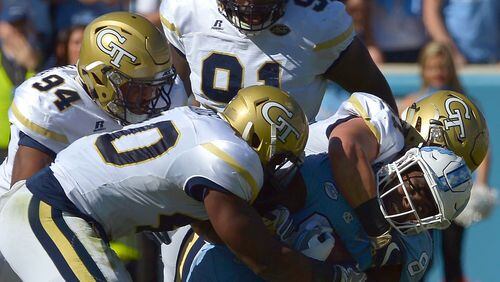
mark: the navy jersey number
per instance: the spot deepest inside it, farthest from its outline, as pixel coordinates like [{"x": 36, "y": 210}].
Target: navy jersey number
[
  {"x": 65, "y": 96},
  {"x": 218, "y": 64},
  {"x": 138, "y": 153}
]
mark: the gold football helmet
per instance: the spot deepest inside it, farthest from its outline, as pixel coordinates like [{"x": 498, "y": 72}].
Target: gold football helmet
[
  {"x": 448, "y": 119},
  {"x": 271, "y": 122},
  {"x": 126, "y": 67}
]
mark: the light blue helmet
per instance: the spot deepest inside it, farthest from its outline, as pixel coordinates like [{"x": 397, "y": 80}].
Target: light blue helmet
[{"x": 448, "y": 179}]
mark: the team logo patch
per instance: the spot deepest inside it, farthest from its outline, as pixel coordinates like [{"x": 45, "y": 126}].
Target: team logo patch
[
  {"x": 217, "y": 25},
  {"x": 347, "y": 217},
  {"x": 331, "y": 191},
  {"x": 106, "y": 44},
  {"x": 280, "y": 29},
  {"x": 283, "y": 127},
  {"x": 456, "y": 115}
]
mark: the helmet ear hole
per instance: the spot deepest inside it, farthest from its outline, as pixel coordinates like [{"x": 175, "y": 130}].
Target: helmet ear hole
[
  {"x": 255, "y": 142},
  {"x": 96, "y": 79}
]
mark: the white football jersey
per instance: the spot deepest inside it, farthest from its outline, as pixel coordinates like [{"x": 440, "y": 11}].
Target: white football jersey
[
  {"x": 378, "y": 116},
  {"x": 153, "y": 175},
  {"x": 293, "y": 54},
  {"x": 53, "y": 109}
]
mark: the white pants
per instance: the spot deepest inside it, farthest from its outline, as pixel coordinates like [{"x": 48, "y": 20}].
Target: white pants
[
  {"x": 44, "y": 244},
  {"x": 7, "y": 274},
  {"x": 172, "y": 254}
]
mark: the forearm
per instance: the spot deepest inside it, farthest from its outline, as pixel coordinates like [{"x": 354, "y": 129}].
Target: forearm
[
  {"x": 242, "y": 230},
  {"x": 352, "y": 172},
  {"x": 346, "y": 72},
  {"x": 27, "y": 162},
  {"x": 483, "y": 171},
  {"x": 434, "y": 21}
]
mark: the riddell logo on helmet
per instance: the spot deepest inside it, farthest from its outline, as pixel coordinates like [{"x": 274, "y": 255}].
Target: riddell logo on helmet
[
  {"x": 284, "y": 128},
  {"x": 112, "y": 49}
]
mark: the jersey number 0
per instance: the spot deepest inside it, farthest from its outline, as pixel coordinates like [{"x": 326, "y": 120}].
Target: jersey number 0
[{"x": 115, "y": 149}]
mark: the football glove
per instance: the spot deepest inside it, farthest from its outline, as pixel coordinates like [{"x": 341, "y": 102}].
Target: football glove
[
  {"x": 390, "y": 254},
  {"x": 315, "y": 242},
  {"x": 481, "y": 203},
  {"x": 279, "y": 222},
  {"x": 349, "y": 274}
]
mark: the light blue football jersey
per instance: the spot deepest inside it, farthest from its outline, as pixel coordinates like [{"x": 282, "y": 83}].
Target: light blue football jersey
[{"x": 200, "y": 261}]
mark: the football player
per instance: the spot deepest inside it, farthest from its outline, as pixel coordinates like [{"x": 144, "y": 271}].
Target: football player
[
  {"x": 124, "y": 75},
  {"x": 440, "y": 119},
  {"x": 417, "y": 201},
  {"x": 220, "y": 46},
  {"x": 183, "y": 167},
  {"x": 412, "y": 196}
]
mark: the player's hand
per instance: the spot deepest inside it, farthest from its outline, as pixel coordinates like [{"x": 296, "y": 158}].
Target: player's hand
[
  {"x": 350, "y": 274},
  {"x": 481, "y": 203},
  {"x": 389, "y": 255},
  {"x": 279, "y": 222}
]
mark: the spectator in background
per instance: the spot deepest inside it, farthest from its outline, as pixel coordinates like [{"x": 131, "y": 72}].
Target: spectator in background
[
  {"x": 18, "y": 59},
  {"x": 69, "y": 13},
  {"x": 392, "y": 29},
  {"x": 470, "y": 28},
  {"x": 438, "y": 72},
  {"x": 68, "y": 45}
]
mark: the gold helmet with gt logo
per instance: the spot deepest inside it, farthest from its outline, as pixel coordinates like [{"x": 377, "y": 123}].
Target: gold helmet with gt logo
[
  {"x": 126, "y": 67},
  {"x": 448, "y": 119},
  {"x": 271, "y": 122}
]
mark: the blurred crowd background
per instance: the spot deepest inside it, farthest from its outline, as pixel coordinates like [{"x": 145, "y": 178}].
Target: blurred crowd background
[{"x": 421, "y": 46}]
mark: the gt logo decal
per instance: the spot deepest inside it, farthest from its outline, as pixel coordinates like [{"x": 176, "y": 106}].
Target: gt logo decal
[
  {"x": 112, "y": 49},
  {"x": 282, "y": 125},
  {"x": 455, "y": 115}
]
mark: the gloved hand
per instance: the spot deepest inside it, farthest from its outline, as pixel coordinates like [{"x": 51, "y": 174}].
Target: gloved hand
[
  {"x": 279, "y": 222},
  {"x": 390, "y": 254},
  {"x": 316, "y": 242},
  {"x": 481, "y": 203},
  {"x": 349, "y": 274}
]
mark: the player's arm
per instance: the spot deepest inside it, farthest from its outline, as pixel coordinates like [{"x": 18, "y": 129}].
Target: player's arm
[
  {"x": 352, "y": 149},
  {"x": 432, "y": 17},
  {"x": 355, "y": 71},
  {"x": 30, "y": 157},
  {"x": 182, "y": 68},
  {"x": 242, "y": 230}
]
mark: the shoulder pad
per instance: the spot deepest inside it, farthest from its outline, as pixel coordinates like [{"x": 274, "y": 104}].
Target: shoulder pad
[
  {"x": 329, "y": 27},
  {"x": 232, "y": 166}
]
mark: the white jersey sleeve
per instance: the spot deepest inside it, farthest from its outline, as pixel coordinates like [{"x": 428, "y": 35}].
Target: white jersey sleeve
[
  {"x": 228, "y": 167},
  {"x": 171, "y": 16},
  {"x": 53, "y": 109},
  {"x": 377, "y": 115}
]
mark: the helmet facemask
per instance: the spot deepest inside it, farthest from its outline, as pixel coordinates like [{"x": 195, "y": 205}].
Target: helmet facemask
[
  {"x": 131, "y": 104},
  {"x": 251, "y": 18},
  {"x": 432, "y": 184}
]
